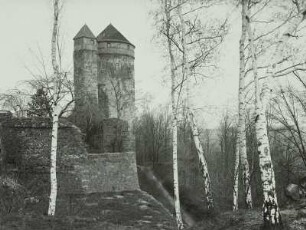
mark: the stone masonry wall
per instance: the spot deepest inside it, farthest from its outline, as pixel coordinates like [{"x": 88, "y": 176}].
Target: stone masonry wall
[
  {"x": 116, "y": 80},
  {"x": 26, "y": 152},
  {"x": 108, "y": 172},
  {"x": 85, "y": 73},
  {"x": 27, "y": 142},
  {"x": 111, "y": 135}
]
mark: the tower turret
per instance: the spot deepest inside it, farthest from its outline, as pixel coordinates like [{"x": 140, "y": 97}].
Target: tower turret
[{"x": 85, "y": 70}]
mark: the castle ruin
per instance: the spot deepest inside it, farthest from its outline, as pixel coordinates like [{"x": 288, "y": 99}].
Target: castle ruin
[
  {"x": 104, "y": 85},
  {"x": 104, "y": 90}
]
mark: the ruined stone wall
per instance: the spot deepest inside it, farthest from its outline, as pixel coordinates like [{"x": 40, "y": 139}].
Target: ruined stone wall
[
  {"x": 108, "y": 172},
  {"x": 26, "y": 153},
  {"x": 111, "y": 135},
  {"x": 4, "y": 115},
  {"x": 26, "y": 143}
]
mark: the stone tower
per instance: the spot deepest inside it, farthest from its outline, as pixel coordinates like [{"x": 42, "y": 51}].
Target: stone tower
[
  {"x": 85, "y": 69},
  {"x": 104, "y": 79},
  {"x": 116, "y": 84}
]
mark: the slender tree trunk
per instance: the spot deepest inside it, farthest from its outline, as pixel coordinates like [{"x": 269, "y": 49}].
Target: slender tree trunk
[
  {"x": 177, "y": 205},
  {"x": 241, "y": 137},
  {"x": 271, "y": 215},
  {"x": 271, "y": 212},
  {"x": 236, "y": 178},
  {"x": 191, "y": 119},
  {"x": 53, "y": 178},
  {"x": 202, "y": 161}
]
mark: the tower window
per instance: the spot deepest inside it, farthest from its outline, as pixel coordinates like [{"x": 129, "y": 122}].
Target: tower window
[{"x": 108, "y": 44}]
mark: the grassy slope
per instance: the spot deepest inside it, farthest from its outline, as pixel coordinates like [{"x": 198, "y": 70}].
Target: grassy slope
[
  {"x": 251, "y": 220},
  {"x": 125, "y": 210}
]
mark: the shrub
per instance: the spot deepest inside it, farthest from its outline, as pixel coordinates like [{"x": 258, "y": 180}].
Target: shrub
[{"x": 12, "y": 195}]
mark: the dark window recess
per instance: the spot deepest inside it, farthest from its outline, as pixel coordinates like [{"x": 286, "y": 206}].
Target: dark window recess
[{"x": 103, "y": 101}]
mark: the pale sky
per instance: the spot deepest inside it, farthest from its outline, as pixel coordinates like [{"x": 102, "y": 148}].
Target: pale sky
[{"x": 26, "y": 25}]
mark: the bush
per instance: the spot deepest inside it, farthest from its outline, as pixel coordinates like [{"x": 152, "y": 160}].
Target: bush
[{"x": 12, "y": 195}]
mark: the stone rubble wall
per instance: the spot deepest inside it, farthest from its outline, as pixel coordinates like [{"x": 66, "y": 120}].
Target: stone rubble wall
[
  {"x": 26, "y": 143},
  {"x": 113, "y": 135},
  {"x": 26, "y": 152},
  {"x": 108, "y": 172}
]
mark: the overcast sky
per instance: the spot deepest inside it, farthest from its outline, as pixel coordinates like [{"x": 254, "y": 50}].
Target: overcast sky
[{"x": 26, "y": 25}]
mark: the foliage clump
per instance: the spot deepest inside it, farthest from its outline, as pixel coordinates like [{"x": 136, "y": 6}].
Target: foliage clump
[{"x": 12, "y": 195}]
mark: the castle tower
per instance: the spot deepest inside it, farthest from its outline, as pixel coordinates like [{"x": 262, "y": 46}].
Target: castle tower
[
  {"x": 116, "y": 83},
  {"x": 104, "y": 83},
  {"x": 85, "y": 70}
]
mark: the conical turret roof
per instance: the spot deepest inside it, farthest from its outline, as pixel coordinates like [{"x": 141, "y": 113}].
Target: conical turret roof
[
  {"x": 84, "y": 32},
  {"x": 110, "y": 33}
]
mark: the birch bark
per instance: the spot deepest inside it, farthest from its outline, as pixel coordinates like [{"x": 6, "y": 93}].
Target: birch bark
[
  {"x": 191, "y": 119},
  {"x": 236, "y": 179},
  {"x": 177, "y": 205},
  {"x": 271, "y": 213},
  {"x": 202, "y": 161},
  {"x": 241, "y": 137},
  {"x": 53, "y": 178}
]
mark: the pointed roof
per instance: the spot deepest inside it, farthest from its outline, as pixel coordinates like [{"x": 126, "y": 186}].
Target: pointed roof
[
  {"x": 110, "y": 33},
  {"x": 84, "y": 32}
]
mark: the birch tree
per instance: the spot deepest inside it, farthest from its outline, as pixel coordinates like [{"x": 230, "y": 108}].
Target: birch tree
[
  {"x": 59, "y": 94},
  {"x": 178, "y": 215},
  {"x": 191, "y": 119},
  {"x": 271, "y": 214},
  {"x": 241, "y": 151},
  {"x": 55, "y": 112},
  {"x": 203, "y": 40}
]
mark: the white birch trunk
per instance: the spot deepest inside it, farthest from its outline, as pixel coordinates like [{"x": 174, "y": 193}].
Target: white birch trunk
[
  {"x": 202, "y": 161},
  {"x": 53, "y": 178},
  {"x": 245, "y": 164},
  {"x": 241, "y": 137},
  {"x": 177, "y": 205},
  {"x": 271, "y": 212},
  {"x": 236, "y": 178},
  {"x": 191, "y": 119}
]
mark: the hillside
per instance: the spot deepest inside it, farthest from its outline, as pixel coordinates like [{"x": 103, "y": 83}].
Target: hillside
[{"x": 122, "y": 210}]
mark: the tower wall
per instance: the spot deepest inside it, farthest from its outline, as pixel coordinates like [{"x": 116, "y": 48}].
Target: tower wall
[
  {"x": 85, "y": 73},
  {"x": 116, "y": 81}
]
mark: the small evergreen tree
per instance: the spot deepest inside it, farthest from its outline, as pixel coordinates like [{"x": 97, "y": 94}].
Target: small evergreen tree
[{"x": 39, "y": 106}]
